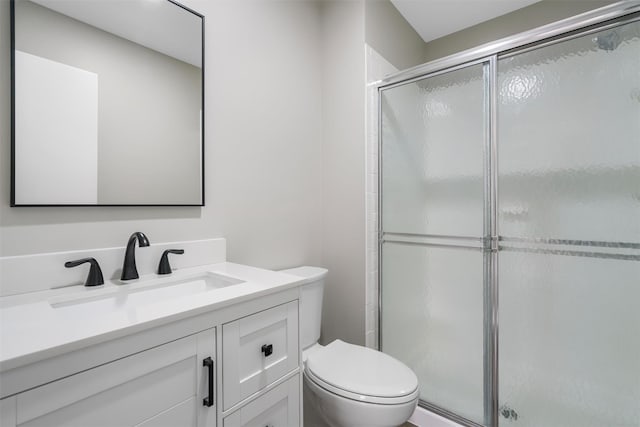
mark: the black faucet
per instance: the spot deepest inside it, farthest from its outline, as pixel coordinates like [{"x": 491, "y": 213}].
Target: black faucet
[
  {"x": 164, "y": 267},
  {"x": 129, "y": 269},
  {"x": 95, "y": 273}
]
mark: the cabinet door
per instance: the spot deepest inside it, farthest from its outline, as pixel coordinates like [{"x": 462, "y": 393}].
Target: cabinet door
[
  {"x": 157, "y": 387},
  {"x": 8, "y": 412},
  {"x": 279, "y": 407},
  {"x": 258, "y": 350}
]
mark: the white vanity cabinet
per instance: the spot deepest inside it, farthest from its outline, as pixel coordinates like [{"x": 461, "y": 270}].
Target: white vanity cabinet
[
  {"x": 232, "y": 367},
  {"x": 162, "y": 386},
  {"x": 277, "y": 408},
  {"x": 258, "y": 350},
  {"x": 260, "y": 369}
]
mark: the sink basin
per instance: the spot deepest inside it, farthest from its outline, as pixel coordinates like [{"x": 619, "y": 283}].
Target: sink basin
[{"x": 141, "y": 294}]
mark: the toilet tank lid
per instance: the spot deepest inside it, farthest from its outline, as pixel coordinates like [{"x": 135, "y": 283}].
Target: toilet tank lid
[{"x": 311, "y": 274}]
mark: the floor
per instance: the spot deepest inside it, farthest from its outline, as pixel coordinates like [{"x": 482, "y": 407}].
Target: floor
[{"x": 407, "y": 425}]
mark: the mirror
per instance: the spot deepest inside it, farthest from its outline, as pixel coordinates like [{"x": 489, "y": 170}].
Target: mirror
[{"x": 107, "y": 103}]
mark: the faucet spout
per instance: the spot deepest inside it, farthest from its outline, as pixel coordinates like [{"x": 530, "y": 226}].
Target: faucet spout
[{"x": 129, "y": 269}]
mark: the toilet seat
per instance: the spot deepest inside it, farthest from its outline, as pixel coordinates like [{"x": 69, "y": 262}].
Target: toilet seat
[
  {"x": 361, "y": 374},
  {"x": 361, "y": 397}
]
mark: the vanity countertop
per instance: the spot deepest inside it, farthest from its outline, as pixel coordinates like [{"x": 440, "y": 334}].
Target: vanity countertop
[{"x": 38, "y": 325}]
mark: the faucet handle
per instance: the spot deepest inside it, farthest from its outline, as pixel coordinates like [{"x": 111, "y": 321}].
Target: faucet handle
[
  {"x": 164, "y": 267},
  {"x": 95, "y": 273}
]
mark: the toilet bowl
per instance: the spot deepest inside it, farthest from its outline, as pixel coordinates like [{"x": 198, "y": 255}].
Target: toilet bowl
[{"x": 349, "y": 385}]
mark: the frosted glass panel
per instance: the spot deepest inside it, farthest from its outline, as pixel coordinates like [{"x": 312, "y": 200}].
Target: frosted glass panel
[
  {"x": 569, "y": 340},
  {"x": 432, "y": 321},
  {"x": 432, "y": 145},
  {"x": 569, "y": 139}
]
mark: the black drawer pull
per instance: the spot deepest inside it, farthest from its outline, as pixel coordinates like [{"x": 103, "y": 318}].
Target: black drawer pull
[
  {"x": 208, "y": 401},
  {"x": 267, "y": 349}
]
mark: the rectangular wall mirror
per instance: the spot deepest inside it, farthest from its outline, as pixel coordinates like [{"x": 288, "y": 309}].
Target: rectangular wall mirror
[{"x": 107, "y": 103}]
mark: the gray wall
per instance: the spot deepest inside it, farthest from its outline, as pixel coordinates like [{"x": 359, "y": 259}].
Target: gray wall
[
  {"x": 391, "y": 36},
  {"x": 263, "y": 148},
  {"x": 343, "y": 156},
  {"x": 265, "y": 129},
  {"x": 285, "y": 148},
  {"x": 284, "y": 152},
  {"x": 149, "y": 108},
  {"x": 345, "y": 28},
  {"x": 527, "y": 18}
]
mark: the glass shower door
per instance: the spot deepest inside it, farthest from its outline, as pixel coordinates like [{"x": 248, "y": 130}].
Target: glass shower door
[
  {"x": 569, "y": 224},
  {"x": 432, "y": 217}
]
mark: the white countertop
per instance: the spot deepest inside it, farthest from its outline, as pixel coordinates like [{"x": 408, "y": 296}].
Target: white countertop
[{"x": 32, "y": 328}]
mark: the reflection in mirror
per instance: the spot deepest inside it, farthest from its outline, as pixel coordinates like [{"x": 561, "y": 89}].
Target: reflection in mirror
[{"x": 107, "y": 103}]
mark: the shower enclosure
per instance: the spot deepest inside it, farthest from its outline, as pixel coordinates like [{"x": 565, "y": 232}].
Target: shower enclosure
[{"x": 509, "y": 225}]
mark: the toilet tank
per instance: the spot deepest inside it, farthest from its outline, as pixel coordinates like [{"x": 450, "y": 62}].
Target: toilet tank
[{"x": 311, "y": 293}]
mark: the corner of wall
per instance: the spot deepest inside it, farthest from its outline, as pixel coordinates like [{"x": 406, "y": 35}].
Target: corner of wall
[
  {"x": 529, "y": 17},
  {"x": 391, "y": 35},
  {"x": 343, "y": 165}
]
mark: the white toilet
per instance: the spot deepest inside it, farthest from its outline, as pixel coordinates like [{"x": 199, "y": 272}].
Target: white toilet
[{"x": 349, "y": 385}]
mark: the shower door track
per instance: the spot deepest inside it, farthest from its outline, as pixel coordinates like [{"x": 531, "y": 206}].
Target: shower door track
[
  {"x": 597, "y": 19},
  {"x": 600, "y": 19}
]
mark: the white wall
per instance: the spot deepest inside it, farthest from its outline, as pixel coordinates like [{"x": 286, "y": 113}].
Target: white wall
[{"x": 263, "y": 148}]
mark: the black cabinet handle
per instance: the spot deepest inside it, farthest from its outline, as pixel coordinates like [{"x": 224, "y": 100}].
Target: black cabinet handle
[
  {"x": 267, "y": 349},
  {"x": 208, "y": 401},
  {"x": 95, "y": 273}
]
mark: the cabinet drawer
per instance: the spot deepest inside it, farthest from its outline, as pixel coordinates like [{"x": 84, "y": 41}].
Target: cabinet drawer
[
  {"x": 149, "y": 387},
  {"x": 258, "y": 350},
  {"x": 279, "y": 407}
]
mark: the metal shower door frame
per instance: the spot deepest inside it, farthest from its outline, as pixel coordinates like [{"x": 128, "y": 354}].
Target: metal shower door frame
[{"x": 597, "y": 20}]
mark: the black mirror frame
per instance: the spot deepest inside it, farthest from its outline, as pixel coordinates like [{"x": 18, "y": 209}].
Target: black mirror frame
[{"x": 13, "y": 122}]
